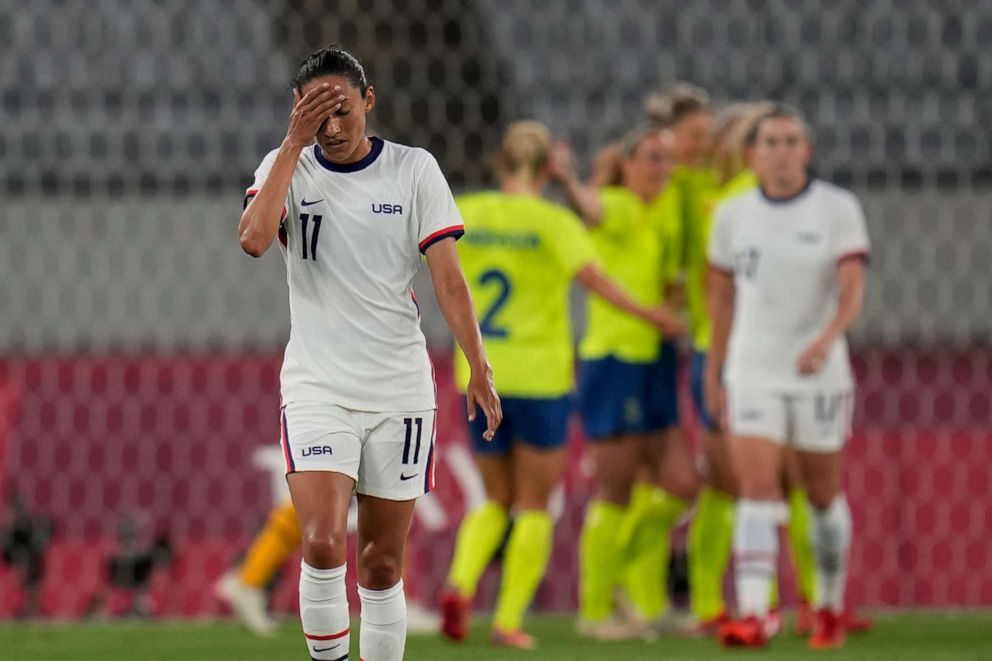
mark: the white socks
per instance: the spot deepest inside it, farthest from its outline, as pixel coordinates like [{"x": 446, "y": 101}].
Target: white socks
[
  {"x": 383, "y": 633},
  {"x": 755, "y": 553},
  {"x": 831, "y": 542},
  {"x": 324, "y": 612}
]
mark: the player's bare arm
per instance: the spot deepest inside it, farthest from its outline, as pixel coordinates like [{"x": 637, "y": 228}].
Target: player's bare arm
[
  {"x": 456, "y": 305},
  {"x": 261, "y": 218},
  {"x": 851, "y": 293},
  {"x": 720, "y": 300},
  {"x": 582, "y": 198},
  {"x": 661, "y": 317}
]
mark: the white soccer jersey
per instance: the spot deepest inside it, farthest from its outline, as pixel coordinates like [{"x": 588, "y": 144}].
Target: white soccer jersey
[
  {"x": 783, "y": 256},
  {"x": 352, "y": 237}
]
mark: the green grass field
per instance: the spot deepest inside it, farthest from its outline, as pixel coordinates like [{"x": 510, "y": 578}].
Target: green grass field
[{"x": 924, "y": 636}]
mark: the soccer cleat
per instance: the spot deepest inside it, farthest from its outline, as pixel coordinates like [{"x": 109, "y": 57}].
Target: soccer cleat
[
  {"x": 247, "y": 604},
  {"x": 749, "y": 632},
  {"x": 610, "y": 629},
  {"x": 708, "y": 628},
  {"x": 515, "y": 639},
  {"x": 805, "y": 619},
  {"x": 773, "y": 623},
  {"x": 854, "y": 623},
  {"x": 828, "y": 631},
  {"x": 421, "y": 620},
  {"x": 455, "y": 613}
]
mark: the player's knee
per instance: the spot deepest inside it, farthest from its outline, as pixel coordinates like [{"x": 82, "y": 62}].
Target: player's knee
[
  {"x": 379, "y": 570},
  {"x": 821, "y": 495},
  {"x": 323, "y": 551},
  {"x": 757, "y": 488}
]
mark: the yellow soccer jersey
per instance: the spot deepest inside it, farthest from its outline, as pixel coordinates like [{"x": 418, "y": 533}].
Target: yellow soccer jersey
[
  {"x": 696, "y": 262},
  {"x": 520, "y": 254},
  {"x": 666, "y": 217},
  {"x": 629, "y": 246}
]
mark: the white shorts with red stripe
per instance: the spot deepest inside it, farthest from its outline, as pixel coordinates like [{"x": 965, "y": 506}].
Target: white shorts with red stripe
[
  {"x": 389, "y": 455},
  {"x": 812, "y": 422}
]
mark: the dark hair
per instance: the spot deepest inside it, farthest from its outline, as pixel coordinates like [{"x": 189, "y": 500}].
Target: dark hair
[
  {"x": 677, "y": 102},
  {"x": 331, "y": 61},
  {"x": 777, "y": 111}
]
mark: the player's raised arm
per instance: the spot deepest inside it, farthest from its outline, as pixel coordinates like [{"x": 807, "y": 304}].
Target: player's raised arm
[
  {"x": 266, "y": 207},
  {"x": 582, "y": 198},
  {"x": 455, "y": 302}
]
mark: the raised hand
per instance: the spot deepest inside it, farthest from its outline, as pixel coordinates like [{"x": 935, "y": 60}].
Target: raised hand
[{"x": 311, "y": 110}]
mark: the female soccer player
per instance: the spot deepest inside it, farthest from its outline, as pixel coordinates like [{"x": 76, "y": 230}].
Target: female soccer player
[
  {"x": 786, "y": 282},
  {"x": 520, "y": 256},
  {"x": 353, "y": 215},
  {"x": 618, "y": 389}
]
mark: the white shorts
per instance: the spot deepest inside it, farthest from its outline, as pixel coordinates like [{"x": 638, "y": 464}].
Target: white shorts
[
  {"x": 813, "y": 422},
  {"x": 389, "y": 455}
]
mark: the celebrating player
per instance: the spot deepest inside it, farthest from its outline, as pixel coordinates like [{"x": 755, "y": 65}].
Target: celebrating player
[
  {"x": 520, "y": 256},
  {"x": 353, "y": 214},
  {"x": 618, "y": 389},
  {"x": 786, "y": 281}
]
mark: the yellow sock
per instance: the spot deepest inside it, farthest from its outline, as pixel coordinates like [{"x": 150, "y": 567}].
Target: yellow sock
[
  {"x": 277, "y": 540},
  {"x": 801, "y": 545},
  {"x": 479, "y": 536},
  {"x": 599, "y": 559},
  {"x": 645, "y": 571},
  {"x": 709, "y": 552},
  {"x": 524, "y": 563}
]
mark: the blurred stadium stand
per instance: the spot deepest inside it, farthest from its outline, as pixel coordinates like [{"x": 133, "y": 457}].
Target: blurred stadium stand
[{"x": 139, "y": 347}]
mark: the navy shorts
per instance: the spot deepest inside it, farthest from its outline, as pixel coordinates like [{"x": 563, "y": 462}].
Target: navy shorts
[
  {"x": 542, "y": 423},
  {"x": 613, "y": 397},
  {"x": 698, "y": 396},
  {"x": 662, "y": 409}
]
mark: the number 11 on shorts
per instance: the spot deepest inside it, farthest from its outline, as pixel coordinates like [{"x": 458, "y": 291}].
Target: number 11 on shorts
[{"x": 409, "y": 422}]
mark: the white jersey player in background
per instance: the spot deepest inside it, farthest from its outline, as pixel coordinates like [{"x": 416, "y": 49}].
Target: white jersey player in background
[
  {"x": 786, "y": 282},
  {"x": 353, "y": 215}
]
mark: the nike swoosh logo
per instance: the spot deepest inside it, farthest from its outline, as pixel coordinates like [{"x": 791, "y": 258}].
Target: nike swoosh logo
[
  {"x": 326, "y": 649},
  {"x": 405, "y": 477},
  {"x": 304, "y": 203}
]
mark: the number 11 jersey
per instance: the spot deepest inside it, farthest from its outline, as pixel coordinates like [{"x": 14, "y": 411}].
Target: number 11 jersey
[{"x": 352, "y": 236}]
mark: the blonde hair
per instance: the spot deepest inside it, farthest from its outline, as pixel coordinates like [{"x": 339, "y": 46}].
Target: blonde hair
[
  {"x": 676, "y": 102},
  {"x": 526, "y": 145},
  {"x": 733, "y": 124}
]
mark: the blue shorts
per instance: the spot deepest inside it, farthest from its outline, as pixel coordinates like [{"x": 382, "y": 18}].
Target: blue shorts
[
  {"x": 613, "y": 397},
  {"x": 662, "y": 409},
  {"x": 542, "y": 423},
  {"x": 698, "y": 397}
]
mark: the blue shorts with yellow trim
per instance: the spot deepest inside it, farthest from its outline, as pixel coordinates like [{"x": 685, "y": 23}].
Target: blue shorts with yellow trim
[
  {"x": 613, "y": 398},
  {"x": 696, "y": 386},
  {"x": 662, "y": 407},
  {"x": 539, "y": 422}
]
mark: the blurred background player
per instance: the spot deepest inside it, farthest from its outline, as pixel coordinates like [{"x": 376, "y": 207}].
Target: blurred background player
[
  {"x": 24, "y": 540},
  {"x": 359, "y": 401},
  {"x": 520, "y": 255},
  {"x": 786, "y": 282},
  {"x": 244, "y": 587},
  {"x": 619, "y": 382}
]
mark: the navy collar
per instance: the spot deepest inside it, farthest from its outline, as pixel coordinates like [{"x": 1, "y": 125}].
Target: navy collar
[
  {"x": 790, "y": 198},
  {"x": 366, "y": 160}
]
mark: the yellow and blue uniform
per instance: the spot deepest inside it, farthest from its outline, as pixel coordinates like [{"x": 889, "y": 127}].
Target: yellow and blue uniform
[
  {"x": 618, "y": 350},
  {"x": 699, "y": 222},
  {"x": 520, "y": 254}
]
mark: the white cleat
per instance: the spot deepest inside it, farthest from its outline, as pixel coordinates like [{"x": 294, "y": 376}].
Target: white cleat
[
  {"x": 421, "y": 620},
  {"x": 610, "y": 629},
  {"x": 247, "y": 603}
]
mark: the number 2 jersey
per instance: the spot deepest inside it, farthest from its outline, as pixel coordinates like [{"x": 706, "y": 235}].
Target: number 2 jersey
[
  {"x": 352, "y": 237},
  {"x": 519, "y": 255},
  {"x": 783, "y": 255}
]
